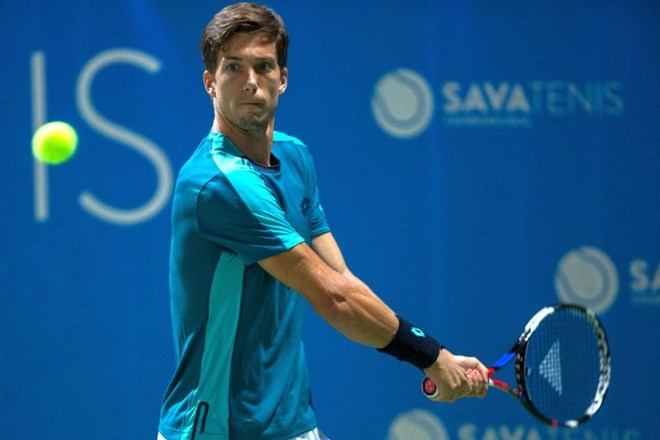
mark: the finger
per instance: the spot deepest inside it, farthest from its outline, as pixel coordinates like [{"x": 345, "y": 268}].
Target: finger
[
  {"x": 484, "y": 371},
  {"x": 477, "y": 365},
  {"x": 481, "y": 384},
  {"x": 478, "y": 385}
]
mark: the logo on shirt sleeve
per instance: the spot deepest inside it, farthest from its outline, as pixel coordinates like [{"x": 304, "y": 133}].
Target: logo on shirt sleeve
[{"x": 305, "y": 206}]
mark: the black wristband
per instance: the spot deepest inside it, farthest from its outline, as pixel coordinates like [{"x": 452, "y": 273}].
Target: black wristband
[{"x": 411, "y": 344}]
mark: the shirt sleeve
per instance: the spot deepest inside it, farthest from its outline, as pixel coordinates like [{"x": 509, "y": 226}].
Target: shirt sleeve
[
  {"x": 239, "y": 212},
  {"x": 318, "y": 222},
  {"x": 319, "y": 225}
]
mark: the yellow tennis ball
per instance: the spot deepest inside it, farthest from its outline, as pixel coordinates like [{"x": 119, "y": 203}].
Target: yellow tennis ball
[{"x": 54, "y": 142}]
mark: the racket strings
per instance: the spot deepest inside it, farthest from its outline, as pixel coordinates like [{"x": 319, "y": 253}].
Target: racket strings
[{"x": 563, "y": 366}]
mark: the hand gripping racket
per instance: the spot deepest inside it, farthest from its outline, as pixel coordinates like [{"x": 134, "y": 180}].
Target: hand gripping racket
[{"x": 562, "y": 366}]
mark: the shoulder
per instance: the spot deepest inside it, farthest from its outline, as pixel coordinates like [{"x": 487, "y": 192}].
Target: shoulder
[
  {"x": 214, "y": 172},
  {"x": 283, "y": 138},
  {"x": 288, "y": 147},
  {"x": 216, "y": 156},
  {"x": 290, "y": 144}
]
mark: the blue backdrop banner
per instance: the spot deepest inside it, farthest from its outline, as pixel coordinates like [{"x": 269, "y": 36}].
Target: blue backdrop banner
[{"x": 477, "y": 160}]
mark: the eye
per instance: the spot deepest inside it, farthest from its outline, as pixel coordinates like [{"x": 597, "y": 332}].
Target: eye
[
  {"x": 231, "y": 67},
  {"x": 265, "y": 66}
]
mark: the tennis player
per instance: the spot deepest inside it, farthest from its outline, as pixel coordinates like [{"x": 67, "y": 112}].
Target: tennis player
[{"x": 251, "y": 248}]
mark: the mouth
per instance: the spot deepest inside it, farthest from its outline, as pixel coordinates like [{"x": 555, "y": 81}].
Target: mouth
[{"x": 252, "y": 103}]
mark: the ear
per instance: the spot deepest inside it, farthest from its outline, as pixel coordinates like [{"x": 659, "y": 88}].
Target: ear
[
  {"x": 209, "y": 83},
  {"x": 284, "y": 78}
]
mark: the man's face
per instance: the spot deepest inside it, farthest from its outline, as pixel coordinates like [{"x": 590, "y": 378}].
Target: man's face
[{"x": 248, "y": 82}]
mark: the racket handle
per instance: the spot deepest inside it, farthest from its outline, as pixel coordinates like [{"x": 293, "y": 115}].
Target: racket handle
[
  {"x": 431, "y": 391},
  {"x": 429, "y": 388}
]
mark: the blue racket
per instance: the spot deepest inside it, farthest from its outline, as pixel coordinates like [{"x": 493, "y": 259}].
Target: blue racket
[{"x": 562, "y": 366}]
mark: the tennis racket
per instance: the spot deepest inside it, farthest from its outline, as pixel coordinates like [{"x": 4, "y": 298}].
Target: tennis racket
[{"x": 562, "y": 366}]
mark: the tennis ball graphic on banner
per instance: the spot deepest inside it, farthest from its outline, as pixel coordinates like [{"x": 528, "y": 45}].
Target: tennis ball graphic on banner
[
  {"x": 54, "y": 143},
  {"x": 402, "y": 103},
  {"x": 588, "y": 277},
  {"x": 419, "y": 425}
]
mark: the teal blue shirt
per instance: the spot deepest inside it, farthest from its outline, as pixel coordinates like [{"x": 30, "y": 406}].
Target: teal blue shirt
[{"x": 241, "y": 370}]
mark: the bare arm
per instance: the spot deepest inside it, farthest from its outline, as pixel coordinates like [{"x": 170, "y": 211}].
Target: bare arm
[
  {"x": 346, "y": 303},
  {"x": 320, "y": 274}
]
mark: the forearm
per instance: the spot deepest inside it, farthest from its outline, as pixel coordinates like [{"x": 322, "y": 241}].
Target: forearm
[
  {"x": 355, "y": 311},
  {"x": 340, "y": 298},
  {"x": 350, "y": 307},
  {"x": 353, "y": 303}
]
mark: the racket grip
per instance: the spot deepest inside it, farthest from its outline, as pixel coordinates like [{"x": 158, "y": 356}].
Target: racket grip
[{"x": 429, "y": 388}]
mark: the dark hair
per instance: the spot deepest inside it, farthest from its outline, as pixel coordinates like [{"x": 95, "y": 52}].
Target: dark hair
[{"x": 242, "y": 17}]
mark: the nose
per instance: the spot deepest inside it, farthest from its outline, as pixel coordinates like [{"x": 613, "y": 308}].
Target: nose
[{"x": 250, "y": 85}]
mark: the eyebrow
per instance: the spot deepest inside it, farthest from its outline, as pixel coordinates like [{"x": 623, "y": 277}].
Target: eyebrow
[{"x": 237, "y": 58}]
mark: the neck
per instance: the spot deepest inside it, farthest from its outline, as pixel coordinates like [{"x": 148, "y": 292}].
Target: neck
[{"x": 254, "y": 144}]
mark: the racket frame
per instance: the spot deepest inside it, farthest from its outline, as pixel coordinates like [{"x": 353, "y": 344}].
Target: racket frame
[{"x": 517, "y": 355}]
